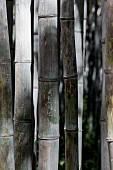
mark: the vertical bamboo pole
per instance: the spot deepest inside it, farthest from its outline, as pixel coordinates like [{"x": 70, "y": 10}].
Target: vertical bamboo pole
[
  {"x": 79, "y": 11},
  {"x": 108, "y": 71},
  {"x": 6, "y": 122},
  {"x": 70, "y": 83},
  {"x": 35, "y": 77},
  {"x": 48, "y": 106},
  {"x": 23, "y": 111},
  {"x": 104, "y": 146}
]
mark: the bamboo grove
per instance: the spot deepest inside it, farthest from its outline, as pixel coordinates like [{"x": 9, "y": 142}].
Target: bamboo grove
[{"x": 56, "y": 92}]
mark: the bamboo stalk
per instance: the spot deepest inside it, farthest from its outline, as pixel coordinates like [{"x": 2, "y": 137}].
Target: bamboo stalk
[
  {"x": 35, "y": 77},
  {"x": 48, "y": 106},
  {"x": 108, "y": 71},
  {"x": 70, "y": 83},
  {"x": 23, "y": 110},
  {"x": 6, "y": 122},
  {"x": 105, "y": 163},
  {"x": 79, "y": 12}
]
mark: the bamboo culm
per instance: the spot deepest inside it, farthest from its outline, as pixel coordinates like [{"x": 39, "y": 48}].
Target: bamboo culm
[
  {"x": 108, "y": 72},
  {"x": 48, "y": 80},
  {"x": 67, "y": 52},
  {"x": 78, "y": 14},
  {"x": 23, "y": 116},
  {"x": 6, "y": 115},
  {"x": 104, "y": 145}
]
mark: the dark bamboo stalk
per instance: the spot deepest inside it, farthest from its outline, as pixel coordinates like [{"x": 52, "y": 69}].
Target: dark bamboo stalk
[
  {"x": 108, "y": 71},
  {"x": 23, "y": 111},
  {"x": 6, "y": 122},
  {"x": 48, "y": 105},
  {"x": 70, "y": 83}
]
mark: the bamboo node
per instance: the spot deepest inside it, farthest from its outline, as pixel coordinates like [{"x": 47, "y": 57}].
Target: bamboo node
[
  {"x": 109, "y": 140},
  {"x": 80, "y": 130}
]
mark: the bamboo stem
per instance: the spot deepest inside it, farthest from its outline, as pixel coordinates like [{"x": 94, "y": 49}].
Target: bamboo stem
[
  {"x": 79, "y": 56},
  {"x": 70, "y": 83},
  {"x": 48, "y": 64},
  {"x": 108, "y": 71},
  {"x": 6, "y": 122},
  {"x": 23, "y": 116}
]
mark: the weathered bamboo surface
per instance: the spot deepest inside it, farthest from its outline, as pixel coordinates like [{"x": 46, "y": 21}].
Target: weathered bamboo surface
[
  {"x": 6, "y": 122},
  {"x": 48, "y": 153},
  {"x": 68, "y": 48},
  {"x": 67, "y": 52},
  {"x": 48, "y": 48},
  {"x": 108, "y": 71},
  {"x": 23, "y": 146},
  {"x": 47, "y": 8},
  {"x": 71, "y": 149},
  {"x": 49, "y": 108},
  {"x": 23, "y": 110},
  {"x": 48, "y": 77},
  {"x": 23, "y": 31},
  {"x": 23, "y": 102},
  {"x": 7, "y": 153}
]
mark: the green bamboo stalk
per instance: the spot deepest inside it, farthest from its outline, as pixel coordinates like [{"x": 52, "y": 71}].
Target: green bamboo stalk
[
  {"x": 108, "y": 71},
  {"x": 23, "y": 111},
  {"x": 79, "y": 12},
  {"x": 48, "y": 106},
  {"x": 70, "y": 83},
  {"x": 6, "y": 122}
]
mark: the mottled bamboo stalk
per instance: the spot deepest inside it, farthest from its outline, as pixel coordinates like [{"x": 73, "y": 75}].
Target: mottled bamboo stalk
[
  {"x": 48, "y": 105},
  {"x": 104, "y": 145},
  {"x": 108, "y": 71},
  {"x": 78, "y": 14},
  {"x": 6, "y": 121},
  {"x": 70, "y": 83},
  {"x": 23, "y": 111}
]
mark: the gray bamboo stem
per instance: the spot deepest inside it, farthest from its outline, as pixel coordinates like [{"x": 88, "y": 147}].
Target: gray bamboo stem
[
  {"x": 6, "y": 121},
  {"x": 23, "y": 116},
  {"x": 108, "y": 73},
  {"x": 48, "y": 78}
]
